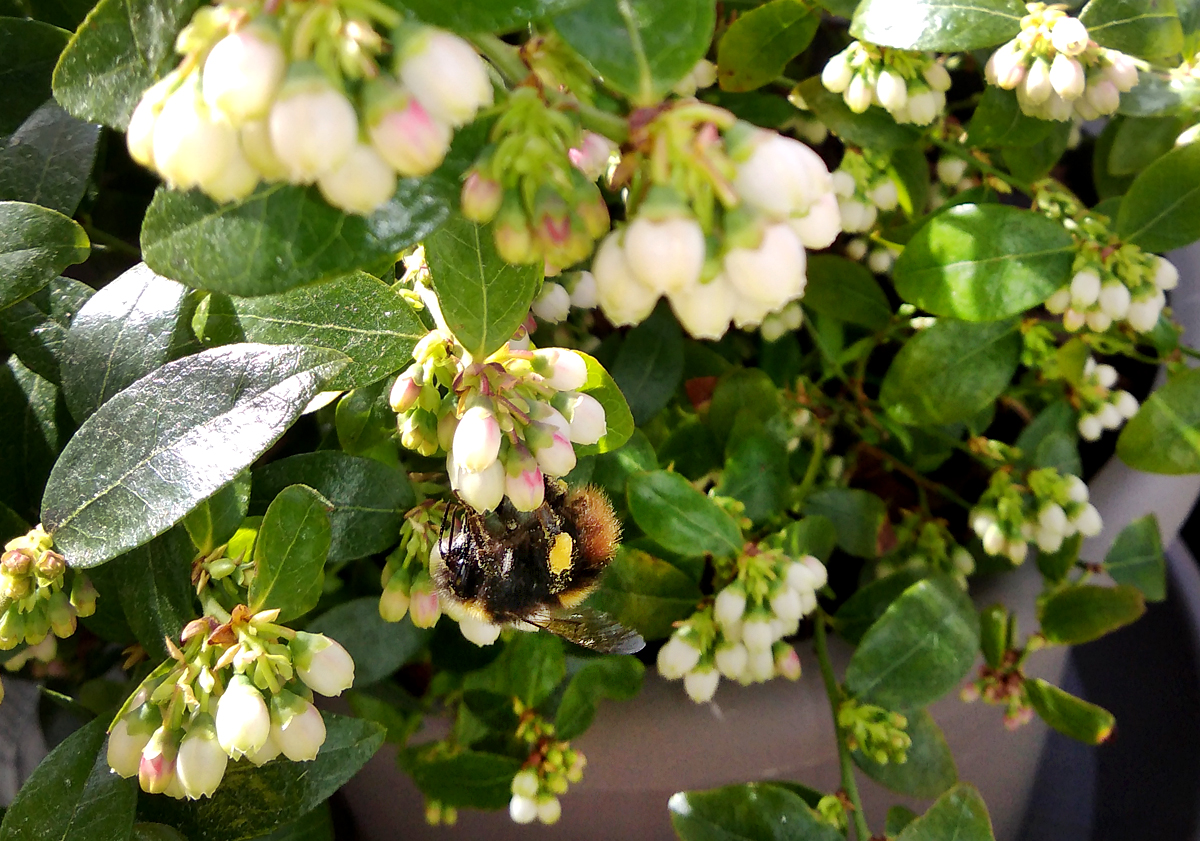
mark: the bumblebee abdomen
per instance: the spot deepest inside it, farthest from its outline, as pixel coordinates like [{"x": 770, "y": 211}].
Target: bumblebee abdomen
[{"x": 597, "y": 529}]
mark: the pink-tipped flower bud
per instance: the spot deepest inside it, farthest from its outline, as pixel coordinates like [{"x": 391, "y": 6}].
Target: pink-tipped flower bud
[
  {"x": 425, "y": 608},
  {"x": 484, "y": 490},
  {"x": 563, "y": 370},
  {"x": 324, "y": 666},
  {"x": 405, "y": 392},
  {"x": 189, "y": 146},
  {"x": 243, "y": 73},
  {"x": 296, "y": 726},
  {"x": 586, "y": 417},
  {"x": 313, "y": 126},
  {"x": 772, "y": 273},
  {"x": 512, "y": 234},
  {"x": 592, "y": 155},
  {"x": 523, "y": 482},
  {"x": 481, "y": 197},
  {"x": 128, "y": 739},
  {"x": 665, "y": 255},
  {"x": 156, "y": 770},
  {"x": 393, "y": 604},
  {"x": 478, "y": 631},
  {"x": 553, "y": 450},
  {"x": 787, "y": 661},
  {"x": 701, "y": 684},
  {"x": 476, "y": 439},
  {"x": 553, "y": 303},
  {"x": 242, "y": 720},
  {"x": 201, "y": 762},
  {"x": 404, "y": 134},
  {"x": 622, "y": 297},
  {"x": 445, "y": 74},
  {"x": 1067, "y": 77},
  {"x": 1006, "y": 67},
  {"x": 1069, "y": 36}
]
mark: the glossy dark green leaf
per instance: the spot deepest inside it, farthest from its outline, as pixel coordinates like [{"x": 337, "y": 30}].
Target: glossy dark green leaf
[
  {"x": 1050, "y": 439},
  {"x": 958, "y": 815},
  {"x": 36, "y": 244},
  {"x": 317, "y": 825},
  {"x": 1086, "y": 612},
  {"x": 1161, "y": 210},
  {"x": 153, "y": 451},
  {"x": 756, "y": 474},
  {"x": 645, "y": 593},
  {"x": 919, "y": 650},
  {"x": 154, "y": 584},
  {"x": 680, "y": 518},
  {"x": 984, "y": 262},
  {"x": 616, "y": 677},
  {"x": 470, "y": 17},
  {"x": 874, "y": 128},
  {"x": 945, "y": 25},
  {"x": 28, "y": 52},
  {"x": 898, "y": 817},
  {"x": 859, "y": 612},
  {"x": 1030, "y": 163},
  {"x": 741, "y": 390},
  {"x": 155, "y": 832},
  {"x": 48, "y": 160},
  {"x": 929, "y": 769},
  {"x": 530, "y": 668},
  {"x": 364, "y": 421},
  {"x": 847, "y": 291},
  {"x": 649, "y": 365},
  {"x": 1136, "y": 558},
  {"x": 378, "y": 647},
  {"x": 465, "y": 780},
  {"x": 36, "y": 427},
  {"x": 35, "y": 329},
  {"x": 612, "y": 470},
  {"x": 217, "y": 519},
  {"x": 1164, "y": 436},
  {"x": 357, "y": 314},
  {"x": 760, "y": 43},
  {"x": 950, "y": 372},
  {"x": 132, "y": 326},
  {"x": 1069, "y": 715},
  {"x": 1140, "y": 141},
  {"x": 1144, "y": 28},
  {"x": 126, "y": 46},
  {"x": 640, "y": 48},
  {"x": 691, "y": 449},
  {"x": 910, "y": 170},
  {"x": 749, "y": 812},
  {"x": 617, "y": 416},
  {"x": 252, "y": 801},
  {"x": 814, "y": 535},
  {"x": 999, "y": 121},
  {"x": 73, "y": 795},
  {"x": 369, "y": 498},
  {"x": 857, "y": 515},
  {"x": 290, "y": 553}
]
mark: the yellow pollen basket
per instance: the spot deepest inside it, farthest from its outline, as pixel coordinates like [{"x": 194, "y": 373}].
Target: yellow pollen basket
[{"x": 560, "y": 554}]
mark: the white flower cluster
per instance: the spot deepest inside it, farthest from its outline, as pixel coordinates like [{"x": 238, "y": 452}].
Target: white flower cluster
[
  {"x": 1047, "y": 510},
  {"x": 34, "y": 600},
  {"x": 247, "y": 106},
  {"x": 778, "y": 201},
  {"x": 535, "y": 791},
  {"x": 911, "y": 86},
  {"x": 863, "y": 186},
  {"x": 183, "y": 724},
  {"x": 741, "y": 635},
  {"x": 504, "y": 422},
  {"x": 1125, "y": 285},
  {"x": 1102, "y": 407},
  {"x": 1057, "y": 71},
  {"x": 879, "y": 259}
]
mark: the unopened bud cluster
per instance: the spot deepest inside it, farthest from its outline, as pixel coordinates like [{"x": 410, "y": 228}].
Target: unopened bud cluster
[
  {"x": 536, "y": 184},
  {"x": 1056, "y": 69},
  {"x": 233, "y": 690},
  {"x": 1101, "y": 406},
  {"x": 407, "y": 587},
  {"x": 911, "y": 86},
  {"x": 504, "y": 422},
  {"x": 721, "y": 215},
  {"x": 879, "y": 258},
  {"x": 740, "y": 635},
  {"x": 952, "y": 179},
  {"x": 551, "y": 767},
  {"x": 295, "y": 94},
  {"x": 702, "y": 75},
  {"x": 1046, "y": 510},
  {"x": 926, "y": 545},
  {"x": 573, "y": 289},
  {"x": 34, "y": 598},
  {"x": 864, "y": 185},
  {"x": 874, "y": 731}
]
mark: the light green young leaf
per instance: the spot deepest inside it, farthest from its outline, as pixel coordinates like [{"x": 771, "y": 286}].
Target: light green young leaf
[
  {"x": 758, "y": 45},
  {"x": 290, "y": 553}
]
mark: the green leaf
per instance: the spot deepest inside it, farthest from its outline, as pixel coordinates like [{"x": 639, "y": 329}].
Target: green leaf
[
  {"x": 984, "y": 262},
  {"x": 1161, "y": 210},
  {"x": 1153, "y": 96},
  {"x": 999, "y": 121},
  {"x": 649, "y": 365},
  {"x": 378, "y": 647},
  {"x": 1136, "y": 558},
  {"x": 155, "y": 832},
  {"x": 645, "y": 593},
  {"x": 36, "y": 426},
  {"x": 958, "y": 815},
  {"x": 1140, "y": 141},
  {"x": 1056, "y": 565},
  {"x": 929, "y": 769},
  {"x": 919, "y": 650},
  {"x": 756, "y": 474},
  {"x": 749, "y": 812},
  {"x": 617, "y": 416},
  {"x": 898, "y": 817},
  {"x": 640, "y": 48},
  {"x": 369, "y": 498},
  {"x": 484, "y": 299},
  {"x": 125, "y": 47},
  {"x": 73, "y": 795},
  {"x": 857, "y": 515},
  {"x": 1030, "y": 163},
  {"x": 217, "y": 519},
  {"x": 1050, "y": 439},
  {"x": 153, "y": 451},
  {"x": 943, "y": 25},
  {"x": 747, "y": 390},
  {"x": 135, "y": 324},
  {"x": 357, "y": 314},
  {"x": 758, "y": 45},
  {"x": 365, "y": 423},
  {"x": 691, "y": 449},
  {"x": 470, "y": 17},
  {"x": 1164, "y": 436},
  {"x": 1069, "y": 715},
  {"x": 847, "y": 291},
  {"x": 1086, "y": 612},
  {"x": 154, "y": 584},
  {"x": 814, "y": 535},
  {"x": 680, "y": 518},
  {"x": 315, "y": 826},
  {"x": 612, "y": 470},
  {"x": 48, "y": 160},
  {"x": 34, "y": 329},
  {"x": 467, "y": 780},
  {"x": 859, "y": 612},
  {"x": 950, "y": 372},
  {"x": 36, "y": 244},
  {"x": 530, "y": 668},
  {"x": 252, "y": 801},
  {"x": 1143, "y": 28},
  {"x": 289, "y": 555},
  {"x": 617, "y": 677},
  {"x": 874, "y": 128},
  {"x": 28, "y": 52}
]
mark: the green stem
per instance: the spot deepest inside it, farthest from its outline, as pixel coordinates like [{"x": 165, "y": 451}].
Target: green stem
[
  {"x": 613, "y": 126},
  {"x": 1190, "y": 351},
  {"x": 862, "y": 831},
  {"x": 109, "y": 241},
  {"x": 212, "y": 607},
  {"x": 960, "y": 152},
  {"x": 824, "y": 350},
  {"x": 810, "y": 473},
  {"x": 505, "y": 57}
]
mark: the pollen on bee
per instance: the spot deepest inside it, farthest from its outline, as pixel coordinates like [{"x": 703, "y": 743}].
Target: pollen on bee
[
  {"x": 560, "y": 554},
  {"x": 599, "y": 528}
]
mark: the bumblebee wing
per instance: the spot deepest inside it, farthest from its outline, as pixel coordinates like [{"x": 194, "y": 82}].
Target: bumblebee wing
[{"x": 591, "y": 629}]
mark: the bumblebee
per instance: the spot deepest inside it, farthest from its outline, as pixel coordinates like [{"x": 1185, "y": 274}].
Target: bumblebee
[{"x": 536, "y": 568}]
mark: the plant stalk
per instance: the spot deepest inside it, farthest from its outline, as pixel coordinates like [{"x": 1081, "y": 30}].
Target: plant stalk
[{"x": 862, "y": 831}]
